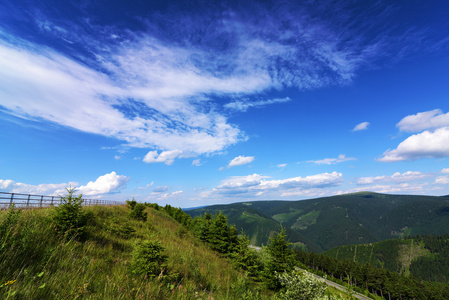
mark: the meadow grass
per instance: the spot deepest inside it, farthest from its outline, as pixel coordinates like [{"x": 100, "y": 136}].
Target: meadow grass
[{"x": 38, "y": 262}]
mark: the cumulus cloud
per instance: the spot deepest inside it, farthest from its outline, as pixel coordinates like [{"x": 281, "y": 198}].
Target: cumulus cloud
[
  {"x": 104, "y": 184},
  {"x": 256, "y": 184},
  {"x": 423, "y": 145},
  {"x": 445, "y": 171},
  {"x": 50, "y": 189},
  {"x": 332, "y": 161},
  {"x": 442, "y": 180},
  {"x": 431, "y": 119},
  {"x": 396, "y": 177},
  {"x": 167, "y": 157},
  {"x": 245, "y": 105},
  {"x": 240, "y": 161},
  {"x": 361, "y": 126}
]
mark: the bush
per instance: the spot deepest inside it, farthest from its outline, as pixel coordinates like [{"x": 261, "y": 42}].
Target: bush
[
  {"x": 68, "y": 217},
  {"x": 148, "y": 258},
  {"x": 301, "y": 285},
  {"x": 137, "y": 210}
]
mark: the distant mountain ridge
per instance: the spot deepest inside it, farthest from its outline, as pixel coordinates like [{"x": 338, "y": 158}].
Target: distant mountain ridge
[{"x": 323, "y": 223}]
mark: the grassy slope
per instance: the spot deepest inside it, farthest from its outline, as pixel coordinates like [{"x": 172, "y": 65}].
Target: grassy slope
[
  {"x": 324, "y": 223},
  {"x": 45, "y": 267}
]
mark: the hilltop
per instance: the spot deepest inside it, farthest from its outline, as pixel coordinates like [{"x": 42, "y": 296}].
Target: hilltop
[
  {"x": 103, "y": 263},
  {"x": 323, "y": 223}
]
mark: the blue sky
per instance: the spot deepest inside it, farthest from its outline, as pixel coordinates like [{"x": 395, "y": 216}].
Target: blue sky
[{"x": 196, "y": 103}]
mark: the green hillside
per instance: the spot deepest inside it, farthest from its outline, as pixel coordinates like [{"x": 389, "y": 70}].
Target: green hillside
[
  {"x": 422, "y": 256},
  {"x": 114, "y": 256},
  {"x": 324, "y": 223}
]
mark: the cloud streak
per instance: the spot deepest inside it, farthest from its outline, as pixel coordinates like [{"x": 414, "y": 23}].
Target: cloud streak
[
  {"x": 396, "y": 177},
  {"x": 332, "y": 161},
  {"x": 361, "y": 126},
  {"x": 258, "y": 185}
]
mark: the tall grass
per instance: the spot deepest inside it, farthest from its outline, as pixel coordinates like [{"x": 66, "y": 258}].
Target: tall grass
[{"x": 38, "y": 262}]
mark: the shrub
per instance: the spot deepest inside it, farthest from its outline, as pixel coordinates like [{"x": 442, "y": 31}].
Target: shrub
[
  {"x": 301, "y": 285},
  {"x": 137, "y": 210},
  {"x": 148, "y": 258},
  {"x": 68, "y": 217}
]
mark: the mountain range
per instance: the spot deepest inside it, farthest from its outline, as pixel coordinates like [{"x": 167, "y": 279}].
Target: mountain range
[{"x": 323, "y": 223}]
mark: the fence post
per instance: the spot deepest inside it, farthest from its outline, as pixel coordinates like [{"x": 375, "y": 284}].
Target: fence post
[
  {"x": 52, "y": 198},
  {"x": 40, "y": 202},
  {"x": 12, "y": 199},
  {"x": 28, "y": 200}
]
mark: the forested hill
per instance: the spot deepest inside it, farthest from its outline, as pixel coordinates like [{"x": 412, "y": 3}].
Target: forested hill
[
  {"x": 422, "y": 256},
  {"x": 323, "y": 223}
]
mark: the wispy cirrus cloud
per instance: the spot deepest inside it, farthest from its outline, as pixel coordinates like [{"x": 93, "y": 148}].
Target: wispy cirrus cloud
[
  {"x": 244, "y": 105},
  {"x": 331, "y": 161},
  {"x": 156, "y": 86}
]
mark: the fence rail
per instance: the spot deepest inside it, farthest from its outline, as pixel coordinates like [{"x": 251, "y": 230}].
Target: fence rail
[{"x": 27, "y": 201}]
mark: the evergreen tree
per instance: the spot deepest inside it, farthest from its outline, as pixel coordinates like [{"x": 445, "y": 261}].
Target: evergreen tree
[{"x": 281, "y": 258}]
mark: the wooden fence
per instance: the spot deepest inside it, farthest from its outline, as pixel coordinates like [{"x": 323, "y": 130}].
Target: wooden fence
[{"x": 26, "y": 201}]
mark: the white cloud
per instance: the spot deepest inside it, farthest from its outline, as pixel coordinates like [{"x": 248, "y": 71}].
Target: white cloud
[
  {"x": 281, "y": 165},
  {"x": 50, "y": 189},
  {"x": 396, "y": 177},
  {"x": 165, "y": 198},
  {"x": 240, "y": 161},
  {"x": 160, "y": 189},
  {"x": 137, "y": 112},
  {"x": 196, "y": 162},
  {"x": 146, "y": 187},
  {"x": 361, "y": 126},
  {"x": 158, "y": 94},
  {"x": 167, "y": 157},
  {"x": 431, "y": 119},
  {"x": 423, "y": 145},
  {"x": 256, "y": 184},
  {"x": 442, "y": 180},
  {"x": 331, "y": 161},
  {"x": 244, "y": 105},
  {"x": 445, "y": 171},
  {"x": 390, "y": 188},
  {"x": 104, "y": 184}
]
